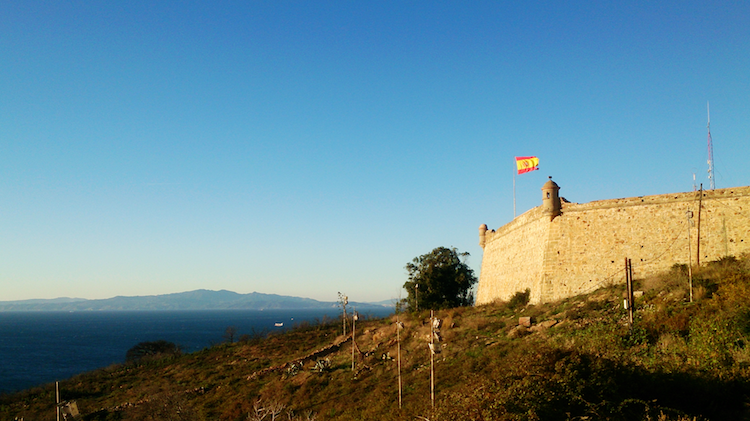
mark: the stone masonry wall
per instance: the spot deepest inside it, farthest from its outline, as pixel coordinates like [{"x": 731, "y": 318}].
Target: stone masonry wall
[
  {"x": 584, "y": 248},
  {"x": 513, "y": 257}
]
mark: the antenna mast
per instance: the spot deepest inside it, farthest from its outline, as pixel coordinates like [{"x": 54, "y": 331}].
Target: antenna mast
[{"x": 710, "y": 151}]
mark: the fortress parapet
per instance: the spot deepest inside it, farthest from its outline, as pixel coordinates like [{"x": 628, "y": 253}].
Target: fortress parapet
[{"x": 561, "y": 249}]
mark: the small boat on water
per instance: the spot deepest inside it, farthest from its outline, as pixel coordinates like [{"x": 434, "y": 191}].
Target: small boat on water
[{"x": 279, "y": 324}]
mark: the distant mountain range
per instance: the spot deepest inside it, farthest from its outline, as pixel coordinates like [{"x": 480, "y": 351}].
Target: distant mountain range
[{"x": 192, "y": 300}]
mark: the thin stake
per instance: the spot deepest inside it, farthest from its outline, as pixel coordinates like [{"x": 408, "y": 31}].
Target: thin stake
[
  {"x": 432, "y": 358},
  {"x": 57, "y": 398},
  {"x": 632, "y": 298},
  {"x": 398, "y": 341},
  {"x": 689, "y": 215},
  {"x": 627, "y": 288},
  {"x": 629, "y": 282},
  {"x": 354, "y": 328}
]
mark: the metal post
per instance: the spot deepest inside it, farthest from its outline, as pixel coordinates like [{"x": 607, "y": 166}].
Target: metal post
[
  {"x": 689, "y": 215},
  {"x": 632, "y": 297},
  {"x": 698, "y": 247},
  {"x": 629, "y": 292},
  {"x": 57, "y": 399},
  {"x": 514, "y": 192}
]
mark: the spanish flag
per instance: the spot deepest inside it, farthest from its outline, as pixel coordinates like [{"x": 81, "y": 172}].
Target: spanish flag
[{"x": 527, "y": 164}]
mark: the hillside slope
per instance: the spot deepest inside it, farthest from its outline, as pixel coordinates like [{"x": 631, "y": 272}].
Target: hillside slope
[{"x": 579, "y": 360}]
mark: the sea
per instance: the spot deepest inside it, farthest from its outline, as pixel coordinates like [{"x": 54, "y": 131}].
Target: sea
[{"x": 40, "y": 347}]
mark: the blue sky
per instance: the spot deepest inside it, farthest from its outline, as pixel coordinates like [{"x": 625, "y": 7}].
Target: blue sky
[{"x": 306, "y": 148}]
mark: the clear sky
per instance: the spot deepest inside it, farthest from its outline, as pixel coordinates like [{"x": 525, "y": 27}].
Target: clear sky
[{"x": 306, "y": 148}]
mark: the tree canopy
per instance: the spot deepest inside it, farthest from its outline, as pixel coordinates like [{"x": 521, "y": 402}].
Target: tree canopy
[{"x": 439, "y": 279}]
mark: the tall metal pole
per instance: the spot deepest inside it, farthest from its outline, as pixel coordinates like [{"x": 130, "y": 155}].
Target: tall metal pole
[
  {"x": 710, "y": 151},
  {"x": 698, "y": 246},
  {"x": 515, "y": 170}
]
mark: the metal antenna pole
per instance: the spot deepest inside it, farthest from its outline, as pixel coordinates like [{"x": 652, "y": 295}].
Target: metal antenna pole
[
  {"x": 698, "y": 245},
  {"x": 712, "y": 185}
]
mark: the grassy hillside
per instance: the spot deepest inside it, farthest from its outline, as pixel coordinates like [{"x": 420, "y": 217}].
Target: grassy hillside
[{"x": 578, "y": 361}]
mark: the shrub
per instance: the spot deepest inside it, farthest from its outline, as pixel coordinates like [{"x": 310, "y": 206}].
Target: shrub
[
  {"x": 152, "y": 350},
  {"x": 519, "y": 299}
]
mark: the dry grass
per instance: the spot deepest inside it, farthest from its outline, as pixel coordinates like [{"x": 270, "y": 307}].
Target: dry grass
[{"x": 590, "y": 365}]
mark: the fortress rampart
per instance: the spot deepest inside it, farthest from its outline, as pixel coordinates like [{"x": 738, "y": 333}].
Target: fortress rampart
[{"x": 561, "y": 249}]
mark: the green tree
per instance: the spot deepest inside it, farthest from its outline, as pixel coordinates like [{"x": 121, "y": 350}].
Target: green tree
[{"x": 439, "y": 279}]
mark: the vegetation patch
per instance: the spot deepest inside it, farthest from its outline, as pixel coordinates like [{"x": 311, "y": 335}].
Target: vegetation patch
[{"x": 579, "y": 359}]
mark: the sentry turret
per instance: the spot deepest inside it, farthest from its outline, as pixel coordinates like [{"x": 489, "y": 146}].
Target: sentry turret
[{"x": 551, "y": 199}]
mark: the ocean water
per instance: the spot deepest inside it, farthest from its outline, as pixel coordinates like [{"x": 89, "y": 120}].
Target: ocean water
[{"x": 42, "y": 347}]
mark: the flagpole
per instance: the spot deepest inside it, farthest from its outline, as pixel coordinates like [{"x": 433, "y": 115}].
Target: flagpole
[{"x": 514, "y": 189}]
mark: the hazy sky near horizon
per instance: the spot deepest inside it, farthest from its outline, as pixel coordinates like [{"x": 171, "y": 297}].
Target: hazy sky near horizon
[{"x": 306, "y": 148}]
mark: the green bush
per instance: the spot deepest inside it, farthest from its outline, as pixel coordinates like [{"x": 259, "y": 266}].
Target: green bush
[
  {"x": 519, "y": 299},
  {"x": 149, "y": 350}
]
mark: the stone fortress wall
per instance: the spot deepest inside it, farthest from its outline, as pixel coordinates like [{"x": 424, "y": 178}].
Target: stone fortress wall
[{"x": 562, "y": 249}]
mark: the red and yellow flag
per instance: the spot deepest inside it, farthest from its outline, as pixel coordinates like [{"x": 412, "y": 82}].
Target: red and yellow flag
[{"x": 527, "y": 164}]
